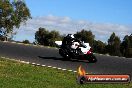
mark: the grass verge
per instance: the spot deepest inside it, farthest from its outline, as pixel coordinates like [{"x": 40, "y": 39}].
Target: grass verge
[{"x": 18, "y": 75}]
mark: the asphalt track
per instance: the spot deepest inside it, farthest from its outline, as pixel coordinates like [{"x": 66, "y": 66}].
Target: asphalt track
[{"x": 50, "y": 56}]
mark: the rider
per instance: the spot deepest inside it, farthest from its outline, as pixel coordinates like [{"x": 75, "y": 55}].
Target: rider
[{"x": 68, "y": 41}]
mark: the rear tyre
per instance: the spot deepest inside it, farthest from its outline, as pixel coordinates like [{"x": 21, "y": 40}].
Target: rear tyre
[{"x": 64, "y": 54}]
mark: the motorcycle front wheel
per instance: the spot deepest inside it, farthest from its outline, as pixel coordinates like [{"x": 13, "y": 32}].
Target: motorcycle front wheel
[{"x": 90, "y": 58}]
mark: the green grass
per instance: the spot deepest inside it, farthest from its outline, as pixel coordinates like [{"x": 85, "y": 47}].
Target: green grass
[{"x": 18, "y": 75}]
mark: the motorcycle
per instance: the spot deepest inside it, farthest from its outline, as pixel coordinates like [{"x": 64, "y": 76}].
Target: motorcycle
[{"x": 78, "y": 50}]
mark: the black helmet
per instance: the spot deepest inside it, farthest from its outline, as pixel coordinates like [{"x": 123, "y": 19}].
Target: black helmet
[{"x": 70, "y": 35}]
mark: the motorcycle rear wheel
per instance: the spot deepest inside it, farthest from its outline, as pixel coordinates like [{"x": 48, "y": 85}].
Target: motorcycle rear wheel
[
  {"x": 90, "y": 58},
  {"x": 64, "y": 54}
]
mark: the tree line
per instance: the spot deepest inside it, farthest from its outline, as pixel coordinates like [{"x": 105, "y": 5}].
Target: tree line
[
  {"x": 114, "y": 45},
  {"x": 12, "y": 14},
  {"x": 47, "y": 38}
]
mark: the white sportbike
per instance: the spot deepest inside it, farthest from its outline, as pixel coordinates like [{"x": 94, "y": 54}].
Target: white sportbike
[{"x": 78, "y": 50}]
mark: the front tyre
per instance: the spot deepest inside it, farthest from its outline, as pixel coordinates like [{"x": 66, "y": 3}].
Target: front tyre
[{"x": 92, "y": 58}]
